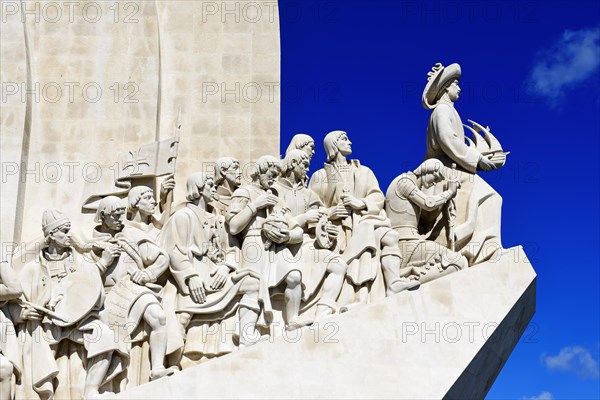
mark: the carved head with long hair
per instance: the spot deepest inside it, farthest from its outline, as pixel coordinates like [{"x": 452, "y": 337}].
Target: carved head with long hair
[
  {"x": 200, "y": 184},
  {"x": 304, "y": 142},
  {"x": 336, "y": 142}
]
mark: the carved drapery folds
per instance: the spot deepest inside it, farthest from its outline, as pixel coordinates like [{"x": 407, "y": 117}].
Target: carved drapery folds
[{"x": 161, "y": 284}]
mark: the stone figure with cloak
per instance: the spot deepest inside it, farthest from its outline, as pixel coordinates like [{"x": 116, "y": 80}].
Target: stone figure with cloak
[
  {"x": 210, "y": 287},
  {"x": 132, "y": 307},
  {"x": 148, "y": 269},
  {"x": 323, "y": 270},
  {"x": 476, "y": 230},
  {"x": 365, "y": 240},
  {"x": 65, "y": 344},
  {"x": 264, "y": 222}
]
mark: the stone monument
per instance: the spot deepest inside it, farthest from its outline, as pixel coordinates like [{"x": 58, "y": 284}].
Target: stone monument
[{"x": 252, "y": 280}]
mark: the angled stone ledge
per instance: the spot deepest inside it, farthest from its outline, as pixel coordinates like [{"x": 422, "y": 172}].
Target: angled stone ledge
[{"x": 449, "y": 339}]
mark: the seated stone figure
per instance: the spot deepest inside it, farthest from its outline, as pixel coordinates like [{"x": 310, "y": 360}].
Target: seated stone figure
[
  {"x": 130, "y": 267},
  {"x": 63, "y": 296},
  {"x": 10, "y": 348},
  {"x": 405, "y": 198},
  {"x": 267, "y": 228},
  {"x": 355, "y": 203},
  {"x": 320, "y": 267},
  {"x": 210, "y": 288}
]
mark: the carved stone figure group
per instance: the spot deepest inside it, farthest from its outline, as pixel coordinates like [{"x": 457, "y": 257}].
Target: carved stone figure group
[{"x": 160, "y": 286}]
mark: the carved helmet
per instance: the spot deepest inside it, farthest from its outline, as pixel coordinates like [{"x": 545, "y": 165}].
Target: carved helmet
[{"x": 437, "y": 79}]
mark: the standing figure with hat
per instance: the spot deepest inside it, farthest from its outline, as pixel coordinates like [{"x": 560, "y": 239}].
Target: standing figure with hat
[
  {"x": 478, "y": 206},
  {"x": 63, "y": 296}
]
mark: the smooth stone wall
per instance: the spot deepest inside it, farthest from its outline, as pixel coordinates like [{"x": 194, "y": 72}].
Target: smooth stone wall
[{"x": 107, "y": 77}]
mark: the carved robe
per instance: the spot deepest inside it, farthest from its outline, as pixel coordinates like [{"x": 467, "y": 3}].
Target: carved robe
[
  {"x": 197, "y": 242},
  {"x": 269, "y": 263},
  {"x": 312, "y": 259},
  {"x": 478, "y": 205},
  {"x": 232, "y": 246},
  {"x": 126, "y": 308},
  {"x": 43, "y": 341},
  {"x": 362, "y": 230},
  {"x": 145, "y": 239},
  {"x": 194, "y": 240}
]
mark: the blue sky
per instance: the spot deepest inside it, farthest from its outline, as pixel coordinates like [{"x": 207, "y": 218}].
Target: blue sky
[{"x": 531, "y": 72}]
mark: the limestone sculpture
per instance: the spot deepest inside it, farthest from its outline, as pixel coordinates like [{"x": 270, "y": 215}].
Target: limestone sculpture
[
  {"x": 132, "y": 306},
  {"x": 268, "y": 228},
  {"x": 148, "y": 264},
  {"x": 405, "y": 198},
  {"x": 62, "y": 292},
  {"x": 228, "y": 177},
  {"x": 365, "y": 240},
  {"x": 167, "y": 285},
  {"x": 209, "y": 288},
  {"x": 318, "y": 263},
  {"x": 304, "y": 142},
  {"x": 477, "y": 231}
]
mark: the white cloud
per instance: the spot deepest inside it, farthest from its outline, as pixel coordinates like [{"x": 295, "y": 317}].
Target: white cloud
[
  {"x": 573, "y": 59},
  {"x": 541, "y": 396},
  {"x": 573, "y": 358}
]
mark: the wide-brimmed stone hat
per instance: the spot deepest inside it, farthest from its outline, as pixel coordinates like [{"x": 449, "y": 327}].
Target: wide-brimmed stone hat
[{"x": 437, "y": 79}]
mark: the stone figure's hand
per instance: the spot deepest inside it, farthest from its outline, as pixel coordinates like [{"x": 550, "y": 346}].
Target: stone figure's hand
[
  {"x": 314, "y": 215},
  {"x": 265, "y": 200},
  {"x": 352, "y": 202},
  {"x": 485, "y": 164},
  {"x": 220, "y": 277},
  {"x": 31, "y": 314},
  {"x": 140, "y": 277},
  {"x": 54, "y": 301},
  {"x": 278, "y": 235},
  {"x": 453, "y": 185},
  {"x": 109, "y": 254},
  {"x": 196, "y": 288},
  {"x": 331, "y": 230},
  {"x": 338, "y": 212},
  {"x": 167, "y": 185}
]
